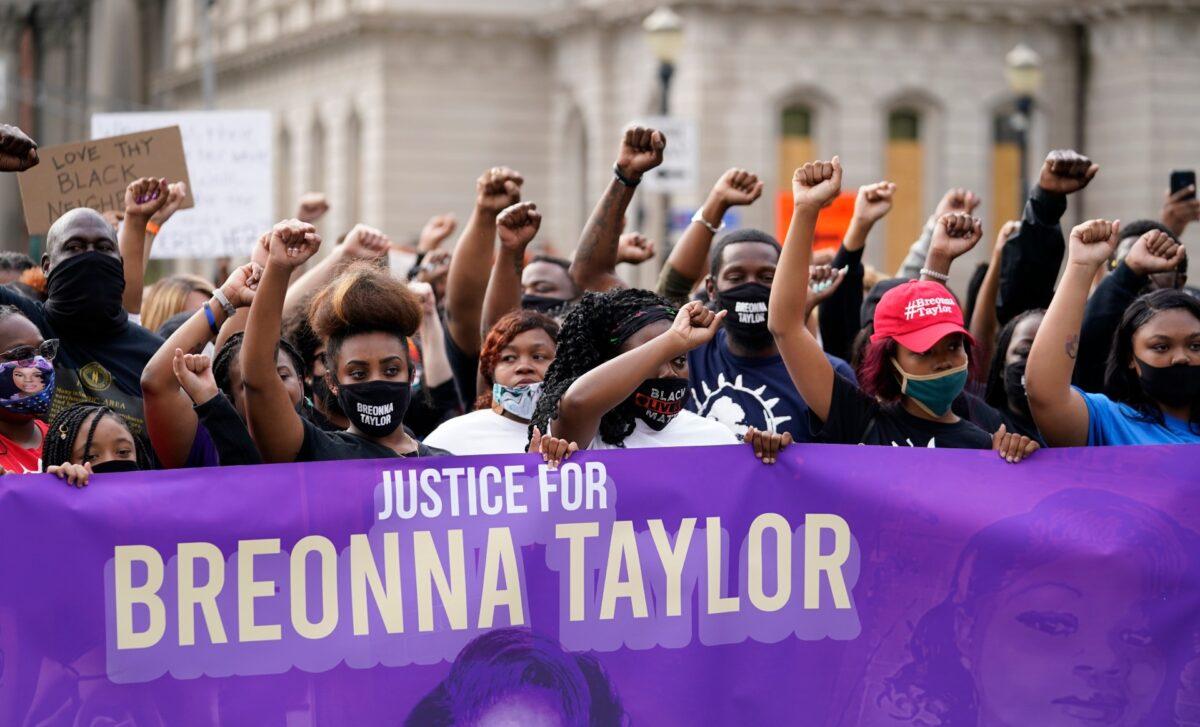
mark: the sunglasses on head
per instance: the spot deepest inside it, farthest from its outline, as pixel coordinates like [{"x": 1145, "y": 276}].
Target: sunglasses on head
[{"x": 25, "y": 354}]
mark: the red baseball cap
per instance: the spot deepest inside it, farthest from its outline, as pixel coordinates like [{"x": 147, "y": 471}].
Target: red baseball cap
[{"x": 918, "y": 314}]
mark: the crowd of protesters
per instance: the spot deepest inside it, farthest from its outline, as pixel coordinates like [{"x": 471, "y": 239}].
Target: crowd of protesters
[{"x": 489, "y": 349}]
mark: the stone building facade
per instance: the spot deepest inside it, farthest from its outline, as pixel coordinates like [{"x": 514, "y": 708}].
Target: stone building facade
[{"x": 393, "y": 107}]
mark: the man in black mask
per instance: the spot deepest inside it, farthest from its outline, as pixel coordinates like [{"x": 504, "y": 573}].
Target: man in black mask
[
  {"x": 101, "y": 355},
  {"x": 739, "y": 378}
]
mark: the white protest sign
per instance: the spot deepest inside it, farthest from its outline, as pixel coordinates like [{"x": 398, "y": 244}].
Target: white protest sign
[
  {"x": 229, "y": 159},
  {"x": 681, "y": 159}
]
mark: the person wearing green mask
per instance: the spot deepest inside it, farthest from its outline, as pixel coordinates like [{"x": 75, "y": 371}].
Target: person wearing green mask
[{"x": 919, "y": 357}]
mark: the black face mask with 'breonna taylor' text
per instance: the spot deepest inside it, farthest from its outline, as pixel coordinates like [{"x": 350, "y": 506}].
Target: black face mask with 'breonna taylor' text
[{"x": 375, "y": 408}]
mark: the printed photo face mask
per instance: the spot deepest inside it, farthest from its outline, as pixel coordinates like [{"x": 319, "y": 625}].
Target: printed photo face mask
[
  {"x": 27, "y": 386},
  {"x": 520, "y": 401}
]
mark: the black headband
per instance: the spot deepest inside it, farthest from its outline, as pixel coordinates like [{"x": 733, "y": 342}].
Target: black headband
[{"x": 625, "y": 329}]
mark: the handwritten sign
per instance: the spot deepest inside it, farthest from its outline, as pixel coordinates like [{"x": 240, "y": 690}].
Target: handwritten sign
[
  {"x": 229, "y": 154},
  {"x": 95, "y": 173}
]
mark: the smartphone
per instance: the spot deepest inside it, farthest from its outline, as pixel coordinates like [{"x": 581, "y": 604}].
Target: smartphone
[{"x": 1181, "y": 179}]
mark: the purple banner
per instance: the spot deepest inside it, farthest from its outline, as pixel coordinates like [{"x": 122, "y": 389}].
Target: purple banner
[{"x": 841, "y": 586}]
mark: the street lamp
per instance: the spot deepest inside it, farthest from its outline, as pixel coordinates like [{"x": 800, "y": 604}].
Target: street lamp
[
  {"x": 1023, "y": 69},
  {"x": 664, "y": 35}
]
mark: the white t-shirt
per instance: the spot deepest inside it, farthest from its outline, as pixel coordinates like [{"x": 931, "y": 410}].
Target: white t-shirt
[
  {"x": 685, "y": 430},
  {"x": 480, "y": 432}
]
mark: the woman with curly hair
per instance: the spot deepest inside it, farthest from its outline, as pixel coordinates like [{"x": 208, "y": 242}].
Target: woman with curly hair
[
  {"x": 512, "y": 365},
  {"x": 366, "y": 318},
  {"x": 620, "y": 379}
]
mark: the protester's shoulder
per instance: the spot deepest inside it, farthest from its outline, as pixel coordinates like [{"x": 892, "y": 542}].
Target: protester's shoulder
[
  {"x": 1100, "y": 407},
  {"x": 842, "y": 367},
  {"x": 319, "y": 445},
  {"x": 143, "y": 336},
  {"x": 34, "y": 310},
  {"x": 459, "y": 426},
  {"x": 424, "y": 450},
  {"x": 702, "y": 430}
]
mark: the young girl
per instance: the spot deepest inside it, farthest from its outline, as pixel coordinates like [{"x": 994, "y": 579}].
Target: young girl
[
  {"x": 25, "y": 357},
  {"x": 1153, "y": 374},
  {"x": 86, "y": 439},
  {"x": 918, "y": 359},
  {"x": 512, "y": 365},
  {"x": 365, "y": 317},
  {"x": 620, "y": 378}
]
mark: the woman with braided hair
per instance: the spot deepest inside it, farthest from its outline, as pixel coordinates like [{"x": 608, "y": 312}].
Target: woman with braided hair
[
  {"x": 620, "y": 379},
  {"x": 87, "y": 438}
]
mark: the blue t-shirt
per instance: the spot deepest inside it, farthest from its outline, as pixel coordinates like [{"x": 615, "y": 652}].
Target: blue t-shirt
[
  {"x": 742, "y": 392},
  {"x": 1112, "y": 423}
]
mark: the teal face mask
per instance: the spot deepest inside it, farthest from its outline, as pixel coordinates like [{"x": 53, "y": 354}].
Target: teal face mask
[{"x": 933, "y": 392}]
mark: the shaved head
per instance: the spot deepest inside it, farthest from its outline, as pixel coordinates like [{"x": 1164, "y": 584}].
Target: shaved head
[{"x": 78, "y": 231}]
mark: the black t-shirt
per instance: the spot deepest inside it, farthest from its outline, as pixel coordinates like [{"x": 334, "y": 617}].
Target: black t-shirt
[
  {"x": 855, "y": 418},
  {"x": 104, "y": 371},
  {"x": 322, "y": 446},
  {"x": 465, "y": 370}
]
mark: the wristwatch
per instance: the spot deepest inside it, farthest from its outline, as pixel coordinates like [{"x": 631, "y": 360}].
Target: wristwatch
[{"x": 226, "y": 306}]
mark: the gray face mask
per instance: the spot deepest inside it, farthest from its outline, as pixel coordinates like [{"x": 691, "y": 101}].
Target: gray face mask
[{"x": 520, "y": 401}]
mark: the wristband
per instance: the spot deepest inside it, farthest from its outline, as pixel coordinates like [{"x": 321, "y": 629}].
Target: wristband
[
  {"x": 698, "y": 217},
  {"x": 212, "y": 320},
  {"x": 220, "y": 297},
  {"x": 152, "y": 227},
  {"x": 631, "y": 183},
  {"x": 935, "y": 275}
]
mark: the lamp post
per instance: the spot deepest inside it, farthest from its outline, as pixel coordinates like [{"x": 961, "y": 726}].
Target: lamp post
[
  {"x": 664, "y": 35},
  {"x": 1023, "y": 70}
]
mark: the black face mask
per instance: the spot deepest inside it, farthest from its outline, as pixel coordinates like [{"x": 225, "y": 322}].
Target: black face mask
[
  {"x": 376, "y": 408},
  {"x": 116, "y": 465},
  {"x": 658, "y": 401},
  {"x": 83, "y": 296},
  {"x": 1170, "y": 385},
  {"x": 746, "y": 321},
  {"x": 1014, "y": 388},
  {"x": 543, "y": 304},
  {"x": 324, "y": 398}
]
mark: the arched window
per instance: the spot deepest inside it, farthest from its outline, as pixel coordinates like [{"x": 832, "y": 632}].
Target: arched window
[
  {"x": 284, "y": 194},
  {"x": 316, "y": 164},
  {"x": 1006, "y": 171},
  {"x": 354, "y": 167},
  {"x": 795, "y": 142},
  {"x": 905, "y": 165}
]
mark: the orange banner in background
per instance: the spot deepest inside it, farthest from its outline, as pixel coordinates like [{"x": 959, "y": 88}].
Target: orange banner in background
[{"x": 832, "y": 223}]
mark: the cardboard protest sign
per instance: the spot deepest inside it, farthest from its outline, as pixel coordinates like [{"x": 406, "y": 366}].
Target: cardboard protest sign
[
  {"x": 229, "y": 155},
  {"x": 95, "y": 173}
]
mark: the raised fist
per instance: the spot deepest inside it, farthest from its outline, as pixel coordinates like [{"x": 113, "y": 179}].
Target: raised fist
[
  {"x": 1066, "y": 171},
  {"x": 518, "y": 225},
  {"x": 312, "y": 207},
  {"x": 366, "y": 243},
  {"x": 425, "y": 292},
  {"x": 176, "y": 194},
  {"x": 957, "y": 200},
  {"x": 955, "y": 234},
  {"x": 437, "y": 229},
  {"x": 1180, "y": 209},
  {"x": 194, "y": 373},
  {"x": 1155, "y": 252},
  {"x": 242, "y": 283},
  {"x": 292, "y": 243},
  {"x": 497, "y": 188},
  {"x": 737, "y": 187},
  {"x": 1093, "y": 243},
  {"x": 817, "y": 184},
  {"x": 145, "y": 196},
  {"x": 17, "y": 151},
  {"x": 634, "y": 248},
  {"x": 1007, "y": 230},
  {"x": 874, "y": 201},
  {"x": 641, "y": 151},
  {"x": 695, "y": 325}
]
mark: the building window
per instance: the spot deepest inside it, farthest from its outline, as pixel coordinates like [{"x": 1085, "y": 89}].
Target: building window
[
  {"x": 354, "y": 185},
  {"x": 316, "y": 166},
  {"x": 1006, "y": 171},
  {"x": 904, "y": 164},
  {"x": 795, "y": 143}
]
